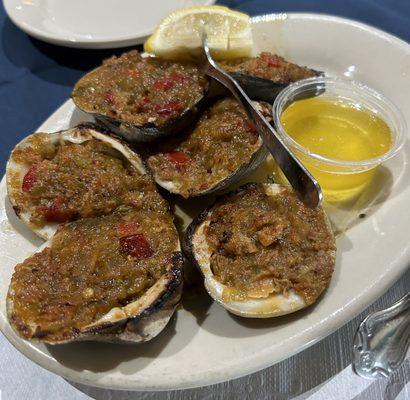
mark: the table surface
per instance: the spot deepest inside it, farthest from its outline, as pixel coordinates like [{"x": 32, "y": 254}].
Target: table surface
[{"x": 36, "y": 77}]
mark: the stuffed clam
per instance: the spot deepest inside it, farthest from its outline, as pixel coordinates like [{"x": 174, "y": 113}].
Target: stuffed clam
[
  {"x": 115, "y": 278},
  {"x": 264, "y": 76},
  {"x": 222, "y": 148},
  {"x": 63, "y": 176},
  {"x": 262, "y": 252},
  {"x": 112, "y": 267},
  {"x": 142, "y": 98}
]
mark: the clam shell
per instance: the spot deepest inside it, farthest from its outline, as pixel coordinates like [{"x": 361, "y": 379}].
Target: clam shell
[
  {"x": 266, "y": 90},
  {"x": 78, "y": 134},
  {"x": 256, "y": 160},
  {"x": 138, "y": 321},
  {"x": 258, "y": 157},
  {"x": 149, "y": 132},
  {"x": 196, "y": 249}
]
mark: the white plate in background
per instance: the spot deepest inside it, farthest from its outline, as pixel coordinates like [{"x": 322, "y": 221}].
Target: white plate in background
[
  {"x": 203, "y": 344},
  {"x": 92, "y": 24}
]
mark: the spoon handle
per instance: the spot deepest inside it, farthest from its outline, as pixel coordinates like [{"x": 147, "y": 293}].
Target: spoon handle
[
  {"x": 305, "y": 186},
  {"x": 382, "y": 340}
]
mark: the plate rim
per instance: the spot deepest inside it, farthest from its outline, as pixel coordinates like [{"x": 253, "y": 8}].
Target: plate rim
[
  {"x": 81, "y": 43},
  {"x": 349, "y": 311}
]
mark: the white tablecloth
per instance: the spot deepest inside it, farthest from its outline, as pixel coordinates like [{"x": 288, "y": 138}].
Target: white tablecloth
[{"x": 322, "y": 372}]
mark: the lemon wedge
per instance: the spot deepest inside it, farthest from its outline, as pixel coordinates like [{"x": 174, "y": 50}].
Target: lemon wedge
[{"x": 179, "y": 35}]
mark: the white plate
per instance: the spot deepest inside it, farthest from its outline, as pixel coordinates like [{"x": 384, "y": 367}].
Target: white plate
[
  {"x": 92, "y": 24},
  {"x": 204, "y": 344}
]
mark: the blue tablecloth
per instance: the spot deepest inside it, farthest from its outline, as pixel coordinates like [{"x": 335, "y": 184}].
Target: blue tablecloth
[{"x": 35, "y": 77}]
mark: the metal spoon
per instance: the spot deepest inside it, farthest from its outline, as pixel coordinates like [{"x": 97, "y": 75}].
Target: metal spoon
[
  {"x": 305, "y": 186},
  {"x": 382, "y": 340}
]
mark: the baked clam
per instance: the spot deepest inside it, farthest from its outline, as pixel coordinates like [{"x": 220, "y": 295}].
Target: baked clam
[
  {"x": 265, "y": 76},
  {"x": 113, "y": 270},
  {"x": 142, "y": 98},
  {"x": 262, "y": 253},
  {"x": 115, "y": 278},
  {"x": 222, "y": 148},
  {"x": 63, "y": 176}
]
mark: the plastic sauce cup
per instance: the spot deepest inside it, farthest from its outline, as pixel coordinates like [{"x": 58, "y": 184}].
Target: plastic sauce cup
[{"x": 340, "y": 179}]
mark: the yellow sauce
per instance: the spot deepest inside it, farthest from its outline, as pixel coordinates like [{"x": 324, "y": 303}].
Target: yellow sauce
[{"x": 338, "y": 130}]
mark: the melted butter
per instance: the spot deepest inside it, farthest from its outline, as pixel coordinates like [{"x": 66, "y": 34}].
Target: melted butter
[
  {"x": 339, "y": 130},
  {"x": 233, "y": 294}
]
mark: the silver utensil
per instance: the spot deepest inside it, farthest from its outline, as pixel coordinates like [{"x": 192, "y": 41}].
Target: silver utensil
[
  {"x": 305, "y": 186},
  {"x": 382, "y": 340}
]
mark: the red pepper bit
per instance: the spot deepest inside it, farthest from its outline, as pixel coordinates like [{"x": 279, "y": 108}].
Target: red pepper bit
[
  {"x": 250, "y": 127},
  {"x": 164, "y": 84},
  {"x": 178, "y": 77},
  {"x": 179, "y": 158},
  {"x": 30, "y": 178},
  {"x": 127, "y": 228},
  {"x": 55, "y": 212},
  {"x": 271, "y": 59},
  {"x": 168, "y": 108},
  {"x": 136, "y": 245},
  {"x": 109, "y": 97}
]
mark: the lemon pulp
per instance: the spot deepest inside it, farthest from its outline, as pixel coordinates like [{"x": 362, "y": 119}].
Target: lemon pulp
[{"x": 340, "y": 130}]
